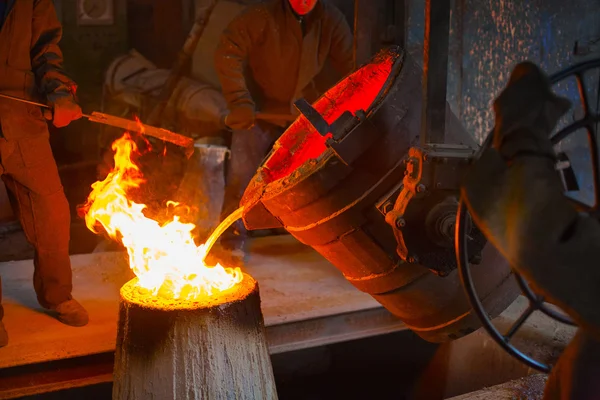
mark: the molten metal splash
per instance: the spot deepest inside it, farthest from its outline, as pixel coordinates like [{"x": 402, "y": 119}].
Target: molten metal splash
[{"x": 163, "y": 256}]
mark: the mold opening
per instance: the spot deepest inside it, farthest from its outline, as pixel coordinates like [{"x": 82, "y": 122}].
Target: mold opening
[{"x": 301, "y": 142}]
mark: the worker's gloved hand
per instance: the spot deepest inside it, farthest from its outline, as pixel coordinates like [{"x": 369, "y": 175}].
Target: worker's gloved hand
[
  {"x": 64, "y": 110},
  {"x": 526, "y": 113},
  {"x": 240, "y": 118}
]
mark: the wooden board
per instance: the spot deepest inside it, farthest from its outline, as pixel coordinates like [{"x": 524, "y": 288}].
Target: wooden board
[{"x": 305, "y": 301}]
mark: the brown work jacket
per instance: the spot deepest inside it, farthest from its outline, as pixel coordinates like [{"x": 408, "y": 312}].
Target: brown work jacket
[
  {"x": 266, "y": 61},
  {"x": 30, "y": 65}
]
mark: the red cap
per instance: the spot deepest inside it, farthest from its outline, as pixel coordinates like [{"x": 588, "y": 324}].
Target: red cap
[{"x": 303, "y": 7}]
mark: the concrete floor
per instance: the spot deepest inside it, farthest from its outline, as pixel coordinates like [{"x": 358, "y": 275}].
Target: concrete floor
[{"x": 296, "y": 284}]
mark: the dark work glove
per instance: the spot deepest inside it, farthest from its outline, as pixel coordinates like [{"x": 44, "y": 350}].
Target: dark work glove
[
  {"x": 526, "y": 113},
  {"x": 240, "y": 118},
  {"x": 64, "y": 110}
]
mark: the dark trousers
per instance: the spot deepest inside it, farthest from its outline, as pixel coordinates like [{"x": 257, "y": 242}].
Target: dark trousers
[
  {"x": 576, "y": 375},
  {"x": 29, "y": 171},
  {"x": 248, "y": 150}
]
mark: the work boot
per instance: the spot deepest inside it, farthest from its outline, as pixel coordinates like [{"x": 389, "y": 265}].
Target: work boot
[
  {"x": 3, "y": 335},
  {"x": 71, "y": 313}
]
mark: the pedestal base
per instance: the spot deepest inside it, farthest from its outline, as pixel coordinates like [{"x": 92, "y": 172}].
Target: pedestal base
[{"x": 213, "y": 349}]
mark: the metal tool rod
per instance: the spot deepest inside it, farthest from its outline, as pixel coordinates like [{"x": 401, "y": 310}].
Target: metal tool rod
[
  {"x": 435, "y": 71},
  {"x": 125, "y": 124},
  {"x": 33, "y": 103}
]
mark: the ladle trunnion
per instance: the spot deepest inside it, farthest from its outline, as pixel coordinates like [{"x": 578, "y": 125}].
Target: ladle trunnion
[{"x": 350, "y": 178}]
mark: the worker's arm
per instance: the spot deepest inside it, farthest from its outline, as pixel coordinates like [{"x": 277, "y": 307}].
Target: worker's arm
[
  {"x": 47, "y": 64},
  {"x": 341, "y": 53},
  {"x": 231, "y": 59},
  {"x": 516, "y": 197}
]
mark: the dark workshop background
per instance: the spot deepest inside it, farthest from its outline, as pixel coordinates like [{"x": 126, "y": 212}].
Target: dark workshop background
[{"x": 487, "y": 39}]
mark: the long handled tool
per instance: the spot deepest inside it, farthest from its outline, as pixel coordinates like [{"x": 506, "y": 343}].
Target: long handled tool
[{"x": 126, "y": 124}]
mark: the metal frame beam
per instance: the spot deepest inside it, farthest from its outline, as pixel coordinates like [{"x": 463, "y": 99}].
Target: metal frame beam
[
  {"x": 366, "y": 15},
  {"x": 378, "y": 24},
  {"x": 435, "y": 71}
]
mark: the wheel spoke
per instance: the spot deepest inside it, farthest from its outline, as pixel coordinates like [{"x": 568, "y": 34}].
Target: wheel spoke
[{"x": 519, "y": 322}]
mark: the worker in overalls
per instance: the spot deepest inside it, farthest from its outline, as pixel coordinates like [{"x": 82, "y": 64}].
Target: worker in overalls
[
  {"x": 516, "y": 197},
  {"x": 31, "y": 68},
  {"x": 269, "y": 57}
]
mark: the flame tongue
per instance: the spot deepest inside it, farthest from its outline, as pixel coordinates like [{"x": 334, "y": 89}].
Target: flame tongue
[{"x": 163, "y": 256}]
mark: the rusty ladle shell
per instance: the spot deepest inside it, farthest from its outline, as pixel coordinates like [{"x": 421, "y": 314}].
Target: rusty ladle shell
[{"x": 330, "y": 206}]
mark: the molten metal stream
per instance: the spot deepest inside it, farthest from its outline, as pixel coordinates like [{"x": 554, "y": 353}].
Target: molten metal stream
[{"x": 237, "y": 214}]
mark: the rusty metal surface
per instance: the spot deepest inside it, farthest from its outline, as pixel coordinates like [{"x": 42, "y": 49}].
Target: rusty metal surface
[
  {"x": 330, "y": 203},
  {"x": 488, "y": 38}
]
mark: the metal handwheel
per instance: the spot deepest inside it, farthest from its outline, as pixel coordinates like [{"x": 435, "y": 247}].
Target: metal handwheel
[{"x": 536, "y": 302}]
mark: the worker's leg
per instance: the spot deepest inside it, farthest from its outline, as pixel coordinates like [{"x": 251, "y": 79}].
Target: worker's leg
[
  {"x": 248, "y": 149},
  {"x": 32, "y": 176},
  {"x": 45, "y": 219},
  {"x": 577, "y": 373}
]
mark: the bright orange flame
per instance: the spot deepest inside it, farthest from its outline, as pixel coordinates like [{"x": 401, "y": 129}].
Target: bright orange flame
[{"x": 163, "y": 256}]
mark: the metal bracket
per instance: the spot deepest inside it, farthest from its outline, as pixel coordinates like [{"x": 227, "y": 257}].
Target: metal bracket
[
  {"x": 339, "y": 131},
  {"x": 313, "y": 116},
  {"x": 424, "y": 231},
  {"x": 411, "y": 185}
]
